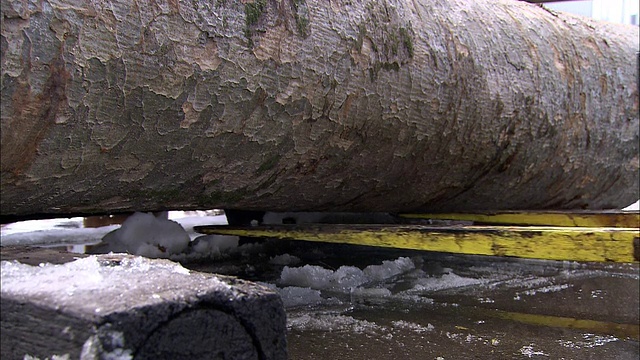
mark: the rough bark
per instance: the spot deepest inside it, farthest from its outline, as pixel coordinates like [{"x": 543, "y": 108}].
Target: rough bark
[{"x": 314, "y": 105}]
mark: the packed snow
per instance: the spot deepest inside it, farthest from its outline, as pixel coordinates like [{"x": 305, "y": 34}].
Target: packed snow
[
  {"x": 146, "y": 235},
  {"x": 80, "y": 276}
]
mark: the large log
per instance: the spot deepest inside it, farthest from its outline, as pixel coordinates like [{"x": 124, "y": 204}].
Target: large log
[{"x": 314, "y": 105}]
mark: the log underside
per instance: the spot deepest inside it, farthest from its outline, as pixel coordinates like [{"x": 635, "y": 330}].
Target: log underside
[{"x": 314, "y": 106}]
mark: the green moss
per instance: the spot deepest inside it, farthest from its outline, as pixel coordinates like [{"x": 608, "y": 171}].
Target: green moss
[
  {"x": 269, "y": 164},
  {"x": 407, "y": 40},
  {"x": 362, "y": 32},
  {"x": 302, "y": 23},
  {"x": 301, "y": 15},
  {"x": 390, "y": 66},
  {"x": 224, "y": 197},
  {"x": 252, "y": 12}
]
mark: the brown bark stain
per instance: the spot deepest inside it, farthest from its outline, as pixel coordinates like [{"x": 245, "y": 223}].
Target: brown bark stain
[
  {"x": 347, "y": 106},
  {"x": 603, "y": 84},
  {"x": 190, "y": 115},
  {"x": 591, "y": 44},
  {"x": 174, "y": 5},
  {"x": 33, "y": 117},
  {"x": 559, "y": 63}
]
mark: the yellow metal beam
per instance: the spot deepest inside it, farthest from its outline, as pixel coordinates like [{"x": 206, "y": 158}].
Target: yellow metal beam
[
  {"x": 549, "y": 243},
  {"x": 548, "y": 218}
]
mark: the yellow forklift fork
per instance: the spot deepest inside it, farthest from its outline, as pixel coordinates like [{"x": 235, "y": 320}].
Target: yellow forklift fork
[{"x": 580, "y": 236}]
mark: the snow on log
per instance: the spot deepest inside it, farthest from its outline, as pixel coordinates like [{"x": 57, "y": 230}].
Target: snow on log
[
  {"x": 124, "y": 307},
  {"x": 313, "y": 105}
]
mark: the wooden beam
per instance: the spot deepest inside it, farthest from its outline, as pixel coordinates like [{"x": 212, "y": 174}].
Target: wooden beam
[{"x": 114, "y": 306}]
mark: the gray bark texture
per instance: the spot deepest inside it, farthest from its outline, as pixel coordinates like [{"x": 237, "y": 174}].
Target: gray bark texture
[
  {"x": 115, "y": 306},
  {"x": 314, "y": 105}
]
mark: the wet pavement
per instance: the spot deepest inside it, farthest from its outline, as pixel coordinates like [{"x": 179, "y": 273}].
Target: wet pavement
[{"x": 450, "y": 306}]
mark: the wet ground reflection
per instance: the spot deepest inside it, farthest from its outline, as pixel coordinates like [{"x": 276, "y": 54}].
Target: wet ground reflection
[{"x": 451, "y": 306}]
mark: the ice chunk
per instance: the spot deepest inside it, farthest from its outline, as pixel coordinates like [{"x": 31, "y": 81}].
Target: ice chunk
[
  {"x": 345, "y": 277},
  {"x": 146, "y": 235},
  {"x": 389, "y": 269},
  {"x": 312, "y": 276},
  {"x": 213, "y": 245},
  {"x": 297, "y": 296},
  {"x": 448, "y": 280},
  {"x": 53, "y": 357}
]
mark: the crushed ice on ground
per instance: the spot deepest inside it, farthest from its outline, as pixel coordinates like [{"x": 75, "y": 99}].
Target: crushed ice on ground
[
  {"x": 528, "y": 351},
  {"x": 448, "y": 280},
  {"x": 412, "y": 326},
  {"x": 53, "y": 357},
  {"x": 80, "y": 276},
  {"x": 333, "y": 322},
  {"x": 588, "y": 341},
  {"x": 545, "y": 289},
  {"x": 345, "y": 277}
]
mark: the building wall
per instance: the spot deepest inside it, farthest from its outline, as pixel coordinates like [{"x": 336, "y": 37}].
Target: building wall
[{"x": 618, "y": 11}]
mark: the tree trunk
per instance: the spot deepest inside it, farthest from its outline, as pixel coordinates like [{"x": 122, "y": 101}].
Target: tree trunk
[{"x": 314, "y": 105}]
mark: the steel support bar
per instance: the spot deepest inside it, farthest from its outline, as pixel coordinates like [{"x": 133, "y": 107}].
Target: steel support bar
[
  {"x": 549, "y": 243},
  {"x": 542, "y": 218}
]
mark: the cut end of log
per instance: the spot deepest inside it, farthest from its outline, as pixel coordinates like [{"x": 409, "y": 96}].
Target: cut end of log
[{"x": 131, "y": 306}]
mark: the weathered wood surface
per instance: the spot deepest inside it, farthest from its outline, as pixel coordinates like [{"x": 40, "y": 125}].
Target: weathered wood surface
[
  {"x": 115, "y": 305},
  {"x": 313, "y": 105}
]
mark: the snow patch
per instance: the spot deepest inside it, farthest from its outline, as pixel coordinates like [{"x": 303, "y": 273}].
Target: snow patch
[
  {"x": 529, "y": 351},
  {"x": 633, "y": 207},
  {"x": 146, "y": 235},
  {"x": 80, "y": 276},
  {"x": 213, "y": 245},
  {"x": 448, "y": 280},
  {"x": 332, "y": 322},
  {"x": 413, "y": 326},
  {"x": 59, "y": 236},
  {"x": 589, "y": 341}
]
